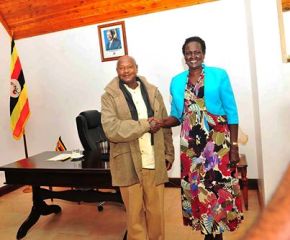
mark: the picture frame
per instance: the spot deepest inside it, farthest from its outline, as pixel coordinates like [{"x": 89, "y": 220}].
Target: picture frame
[{"x": 112, "y": 40}]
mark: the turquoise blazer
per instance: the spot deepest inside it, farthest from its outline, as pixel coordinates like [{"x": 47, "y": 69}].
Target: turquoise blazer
[{"x": 218, "y": 94}]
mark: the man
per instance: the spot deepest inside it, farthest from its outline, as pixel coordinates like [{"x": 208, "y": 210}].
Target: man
[
  {"x": 113, "y": 41},
  {"x": 140, "y": 152}
]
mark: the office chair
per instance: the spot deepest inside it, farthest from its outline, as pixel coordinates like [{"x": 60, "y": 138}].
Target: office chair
[
  {"x": 90, "y": 129},
  {"x": 91, "y": 135}
]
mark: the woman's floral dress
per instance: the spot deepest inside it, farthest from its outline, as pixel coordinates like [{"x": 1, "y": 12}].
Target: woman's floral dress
[{"x": 211, "y": 200}]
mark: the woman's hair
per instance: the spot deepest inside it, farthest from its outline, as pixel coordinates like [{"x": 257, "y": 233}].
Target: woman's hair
[{"x": 194, "y": 39}]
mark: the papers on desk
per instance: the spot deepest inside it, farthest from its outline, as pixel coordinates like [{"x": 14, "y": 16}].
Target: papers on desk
[
  {"x": 76, "y": 155},
  {"x": 66, "y": 156},
  {"x": 60, "y": 157}
]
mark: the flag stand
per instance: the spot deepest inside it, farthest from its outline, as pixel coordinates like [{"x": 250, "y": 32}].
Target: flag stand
[{"x": 27, "y": 189}]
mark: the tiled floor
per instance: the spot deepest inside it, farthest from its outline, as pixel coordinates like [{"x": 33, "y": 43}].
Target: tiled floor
[{"x": 84, "y": 222}]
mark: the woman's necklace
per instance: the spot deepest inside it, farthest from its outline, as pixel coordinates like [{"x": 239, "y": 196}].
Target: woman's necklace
[
  {"x": 196, "y": 81},
  {"x": 195, "y": 77}
]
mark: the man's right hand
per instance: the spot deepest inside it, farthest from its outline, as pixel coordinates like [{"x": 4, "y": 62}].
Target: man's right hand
[{"x": 155, "y": 125}]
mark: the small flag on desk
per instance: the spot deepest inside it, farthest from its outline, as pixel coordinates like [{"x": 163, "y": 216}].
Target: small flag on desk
[
  {"x": 60, "y": 145},
  {"x": 19, "y": 105}
]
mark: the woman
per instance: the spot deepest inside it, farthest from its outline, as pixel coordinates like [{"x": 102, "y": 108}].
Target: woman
[
  {"x": 203, "y": 103},
  {"x": 113, "y": 42}
]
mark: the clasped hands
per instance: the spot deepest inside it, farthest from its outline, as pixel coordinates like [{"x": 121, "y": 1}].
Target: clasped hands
[{"x": 155, "y": 124}]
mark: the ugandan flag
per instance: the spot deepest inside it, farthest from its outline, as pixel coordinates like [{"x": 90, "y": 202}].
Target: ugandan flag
[
  {"x": 60, "y": 145},
  {"x": 19, "y": 105}
]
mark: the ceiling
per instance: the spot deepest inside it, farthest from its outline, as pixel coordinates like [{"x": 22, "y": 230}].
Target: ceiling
[
  {"x": 27, "y": 18},
  {"x": 285, "y": 5}
]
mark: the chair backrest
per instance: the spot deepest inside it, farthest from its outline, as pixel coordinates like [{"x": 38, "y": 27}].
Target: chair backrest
[{"x": 90, "y": 129}]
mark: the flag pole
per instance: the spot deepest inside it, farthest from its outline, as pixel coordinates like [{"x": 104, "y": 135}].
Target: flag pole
[
  {"x": 25, "y": 145},
  {"x": 27, "y": 189}
]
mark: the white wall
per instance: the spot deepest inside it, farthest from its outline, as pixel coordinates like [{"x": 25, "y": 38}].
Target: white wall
[
  {"x": 272, "y": 97},
  {"x": 65, "y": 76}
]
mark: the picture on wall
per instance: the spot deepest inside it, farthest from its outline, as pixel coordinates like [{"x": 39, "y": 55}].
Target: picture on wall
[{"x": 113, "y": 43}]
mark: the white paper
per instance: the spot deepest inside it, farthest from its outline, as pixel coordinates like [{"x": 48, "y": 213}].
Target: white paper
[
  {"x": 76, "y": 155},
  {"x": 60, "y": 157}
]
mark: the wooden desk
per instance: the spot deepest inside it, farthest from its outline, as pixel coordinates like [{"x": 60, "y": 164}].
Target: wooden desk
[
  {"x": 242, "y": 169},
  {"x": 37, "y": 171}
]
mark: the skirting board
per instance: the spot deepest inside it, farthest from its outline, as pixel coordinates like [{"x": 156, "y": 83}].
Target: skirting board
[{"x": 8, "y": 188}]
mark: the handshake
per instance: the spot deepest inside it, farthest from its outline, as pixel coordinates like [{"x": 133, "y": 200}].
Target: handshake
[{"x": 155, "y": 124}]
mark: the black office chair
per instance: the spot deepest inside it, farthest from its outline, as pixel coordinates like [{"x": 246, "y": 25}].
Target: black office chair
[
  {"x": 91, "y": 135},
  {"x": 90, "y": 129}
]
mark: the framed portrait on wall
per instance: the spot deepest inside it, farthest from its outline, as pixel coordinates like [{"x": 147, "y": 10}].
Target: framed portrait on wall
[{"x": 113, "y": 42}]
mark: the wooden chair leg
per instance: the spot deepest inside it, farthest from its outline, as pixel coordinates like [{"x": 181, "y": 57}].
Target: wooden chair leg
[
  {"x": 242, "y": 169},
  {"x": 245, "y": 187}
]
